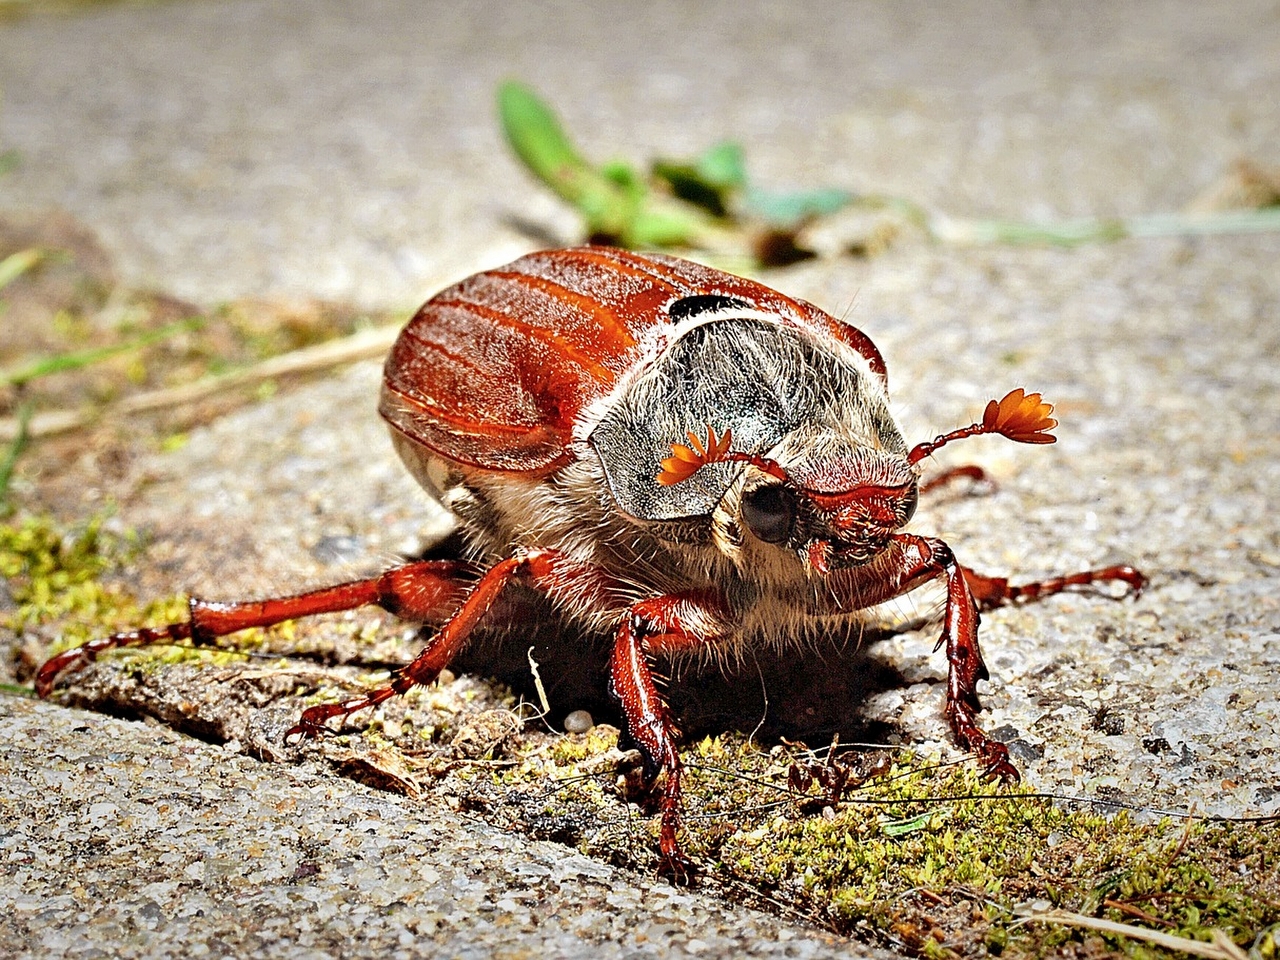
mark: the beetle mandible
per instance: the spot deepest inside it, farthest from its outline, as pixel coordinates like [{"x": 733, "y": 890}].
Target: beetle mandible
[{"x": 679, "y": 458}]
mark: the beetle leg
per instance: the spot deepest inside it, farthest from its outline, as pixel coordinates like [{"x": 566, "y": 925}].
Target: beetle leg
[
  {"x": 422, "y": 591},
  {"x": 991, "y": 592},
  {"x": 656, "y": 627},
  {"x": 969, "y": 471},
  {"x": 924, "y": 558},
  {"x": 919, "y": 559},
  {"x": 547, "y": 569}
]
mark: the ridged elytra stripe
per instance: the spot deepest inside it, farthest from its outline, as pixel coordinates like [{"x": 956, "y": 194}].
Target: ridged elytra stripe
[
  {"x": 550, "y": 337},
  {"x": 558, "y": 290}
]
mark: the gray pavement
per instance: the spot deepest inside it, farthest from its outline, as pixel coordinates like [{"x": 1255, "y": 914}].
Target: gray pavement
[
  {"x": 127, "y": 840},
  {"x": 349, "y": 151}
]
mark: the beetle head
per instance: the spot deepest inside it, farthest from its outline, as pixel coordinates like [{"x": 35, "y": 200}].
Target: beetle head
[
  {"x": 839, "y": 500},
  {"x": 771, "y": 384},
  {"x": 828, "y": 475},
  {"x": 835, "y": 504}
]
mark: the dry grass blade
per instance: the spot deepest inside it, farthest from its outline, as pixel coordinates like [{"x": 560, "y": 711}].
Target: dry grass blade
[
  {"x": 358, "y": 346},
  {"x": 16, "y": 264},
  {"x": 1222, "y": 947},
  {"x": 59, "y": 363}
]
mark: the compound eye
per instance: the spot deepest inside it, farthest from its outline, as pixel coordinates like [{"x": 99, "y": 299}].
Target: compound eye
[{"x": 770, "y": 513}]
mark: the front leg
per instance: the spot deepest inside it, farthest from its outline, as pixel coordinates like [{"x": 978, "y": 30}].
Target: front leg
[
  {"x": 667, "y": 624},
  {"x": 910, "y": 562},
  {"x": 965, "y": 666}
]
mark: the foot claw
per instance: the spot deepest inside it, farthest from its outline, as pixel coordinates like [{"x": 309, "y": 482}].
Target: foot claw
[
  {"x": 299, "y": 732},
  {"x": 310, "y": 726},
  {"x": 677, "y": 868},
  {"x": 996, "y": 765}
]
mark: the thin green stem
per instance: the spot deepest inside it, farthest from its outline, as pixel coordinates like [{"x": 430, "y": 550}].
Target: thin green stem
[{"x": 58, "y": 363}]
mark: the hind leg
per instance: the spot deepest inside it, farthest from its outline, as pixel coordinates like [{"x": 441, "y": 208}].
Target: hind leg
[{"x": 423, "y": 591}]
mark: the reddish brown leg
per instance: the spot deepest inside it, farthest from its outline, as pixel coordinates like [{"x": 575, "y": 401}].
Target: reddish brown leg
[
  {"x": 547, "y": 570},
  {"x": 969, "y": 471},
  {"x": 655, "y": 627},
  {"x": 924, "y": 558},
  {"x": 991, "y": 592},
  {"x": 423, "y": 591}
]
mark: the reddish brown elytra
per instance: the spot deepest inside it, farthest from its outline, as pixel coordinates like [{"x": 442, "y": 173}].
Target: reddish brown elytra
[{"x": 547, "y": 404}]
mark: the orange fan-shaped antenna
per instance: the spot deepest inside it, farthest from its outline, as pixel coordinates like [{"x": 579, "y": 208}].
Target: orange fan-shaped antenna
[
  {"x": 1020, "y": 416},
  {"x": 684, "y": 461}
]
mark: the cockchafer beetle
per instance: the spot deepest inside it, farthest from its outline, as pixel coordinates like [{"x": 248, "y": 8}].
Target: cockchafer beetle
[{"x": 676, "y": 457}]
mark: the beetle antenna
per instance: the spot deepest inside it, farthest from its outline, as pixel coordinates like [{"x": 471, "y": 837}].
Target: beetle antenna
[
  {"x": 1022, "y": 417},
  {"x": 685, "y": 461}
]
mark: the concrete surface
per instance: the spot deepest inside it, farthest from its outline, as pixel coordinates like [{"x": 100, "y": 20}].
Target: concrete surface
[
  {"x": 349, "y": 151},
  {"x": 132, "y": 841}
]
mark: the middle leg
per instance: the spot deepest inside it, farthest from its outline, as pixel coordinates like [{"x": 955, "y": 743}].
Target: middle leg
[
  {"x": 547, "y": 570},
  {"x": 992, "y": 592}
]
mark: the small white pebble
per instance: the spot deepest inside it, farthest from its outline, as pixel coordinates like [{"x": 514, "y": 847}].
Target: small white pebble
[{"x": 578, "y": 722}]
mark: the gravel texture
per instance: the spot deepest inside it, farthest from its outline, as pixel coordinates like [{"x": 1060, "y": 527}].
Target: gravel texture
[
  {"x": 128, "y": 840},
  {"x": 349, "y": 151}
]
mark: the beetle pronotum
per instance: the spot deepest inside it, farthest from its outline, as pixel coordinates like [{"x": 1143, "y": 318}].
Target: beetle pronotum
[{"x": 676, "y": 457}]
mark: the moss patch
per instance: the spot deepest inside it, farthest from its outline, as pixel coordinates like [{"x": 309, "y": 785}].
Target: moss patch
[
  {"x": 54, "y": 574},
  {"x": 924, "y": 858},
  {"x": 61, "y": 593}
]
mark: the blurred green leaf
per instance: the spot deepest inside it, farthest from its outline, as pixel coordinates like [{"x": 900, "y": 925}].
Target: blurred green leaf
[
  {"x": 10, "y": 458},
  {"x": 724, "y": 166},
  {"x": 624, "y": 175},
  {"x": 614, "y": 200},
  {"x": 793, "y": 209},
  {"x": 710, "y": 181},
  {"x": 686, "y": 183},
  {"x": 535, "y": 134}
]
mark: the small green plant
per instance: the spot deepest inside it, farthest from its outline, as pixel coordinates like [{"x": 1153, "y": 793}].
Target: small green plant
[{"x": 709, "y": 203}]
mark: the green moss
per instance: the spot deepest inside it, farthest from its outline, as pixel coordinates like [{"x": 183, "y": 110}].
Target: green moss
[
  {"x": 54, "y": 575},
  {"x": 929, "y": 859},
  {"x": 51, "y": 570},
  {"x": 570, "y": 749}
]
